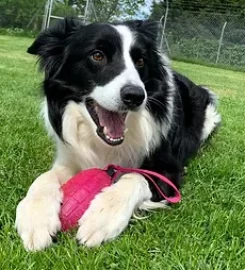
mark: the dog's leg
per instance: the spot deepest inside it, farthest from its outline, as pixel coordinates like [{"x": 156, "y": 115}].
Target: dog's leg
[
  {"x": 110, "y": 211},
  {"x": 37, "y": 215}
]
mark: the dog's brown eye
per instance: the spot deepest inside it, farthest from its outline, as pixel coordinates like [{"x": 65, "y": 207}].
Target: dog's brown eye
[
  {"x": 98, "y": 56},
  {"x": 139, "y": 63}
]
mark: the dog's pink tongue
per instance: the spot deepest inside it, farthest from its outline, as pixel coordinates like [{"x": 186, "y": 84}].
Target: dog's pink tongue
[{"x": 113, "y": 121}]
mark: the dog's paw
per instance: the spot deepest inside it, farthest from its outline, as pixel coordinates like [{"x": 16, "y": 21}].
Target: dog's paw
[
  {"x": 105, "y": 219},
  {"x": 109, "y": 213},
  {"x": 37, "y": 220}
]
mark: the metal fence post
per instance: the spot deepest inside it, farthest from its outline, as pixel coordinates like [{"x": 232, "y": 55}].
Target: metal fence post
[
  {"x": 220, "y": 42},
  {"x": 165, "y": 16},
  {"x": 45, "y": 15},
  {"x": 50, "y": 12}
]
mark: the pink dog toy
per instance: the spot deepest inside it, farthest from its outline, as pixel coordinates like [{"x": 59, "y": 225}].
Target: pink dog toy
[{"x": 81, "y": 189}]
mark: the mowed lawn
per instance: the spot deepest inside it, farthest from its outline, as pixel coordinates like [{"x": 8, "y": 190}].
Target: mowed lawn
[{"x": 205, "y": 231}]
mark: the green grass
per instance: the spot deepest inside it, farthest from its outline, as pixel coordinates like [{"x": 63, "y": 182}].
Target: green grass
[
  {"x": 206, "y": 63},
  {"x": 205, "y": 231}
]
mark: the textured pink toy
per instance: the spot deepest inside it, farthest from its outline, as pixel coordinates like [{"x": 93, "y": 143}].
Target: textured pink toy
[
  {"x": 81, "y": 189},
  {"x": 78, "y": 192}
]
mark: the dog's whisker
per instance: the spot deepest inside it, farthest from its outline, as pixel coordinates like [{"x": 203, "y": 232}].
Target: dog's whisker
[{"x": 157, "y": 102}]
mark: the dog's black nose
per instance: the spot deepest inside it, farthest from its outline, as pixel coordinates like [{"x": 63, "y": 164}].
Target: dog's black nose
[{"x": 132, "y": 96}]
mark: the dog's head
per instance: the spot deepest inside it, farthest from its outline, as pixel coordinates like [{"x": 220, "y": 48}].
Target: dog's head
[{"x": 106, "y": 66}]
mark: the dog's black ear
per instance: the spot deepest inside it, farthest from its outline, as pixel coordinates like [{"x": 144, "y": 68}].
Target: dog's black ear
[
  {"x": 51, "y": 43},
  {"x": 149, "y": 28}
]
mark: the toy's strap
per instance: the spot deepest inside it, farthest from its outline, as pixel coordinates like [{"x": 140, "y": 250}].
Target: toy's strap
[{"x": 148, "y": 174}]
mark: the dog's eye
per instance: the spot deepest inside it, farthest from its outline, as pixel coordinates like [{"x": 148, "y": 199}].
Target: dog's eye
[
  {"x": 98, "y": 56},
  {"x": 139, "y": 63}
]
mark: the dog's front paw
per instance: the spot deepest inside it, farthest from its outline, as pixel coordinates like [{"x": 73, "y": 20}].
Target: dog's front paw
[
  {"x": 37, "y": 220},
  {"x": 109, "y": 213},
  {"x": 105, "y": 219}
]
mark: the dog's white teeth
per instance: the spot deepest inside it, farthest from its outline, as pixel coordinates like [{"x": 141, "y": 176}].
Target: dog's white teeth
[
  {"x": 105, "y": 130},
  {"x": 114, "y": 139},
  {"x": 125, "y": 131}
]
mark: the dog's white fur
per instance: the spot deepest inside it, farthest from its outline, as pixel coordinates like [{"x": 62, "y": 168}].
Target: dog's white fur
[
  {"x": 37, "y": 216},
  {"x": 110, "y": 211},
  {"x": 212, "y": 119},
  {"x": 103, "y": 94}
]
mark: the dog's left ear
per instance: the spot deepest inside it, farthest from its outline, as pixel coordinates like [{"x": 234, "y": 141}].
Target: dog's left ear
[{"x": 149, "y": 28}]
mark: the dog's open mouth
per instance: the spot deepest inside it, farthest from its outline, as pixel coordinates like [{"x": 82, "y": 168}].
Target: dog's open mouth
[{"x": 110, "y": 125}]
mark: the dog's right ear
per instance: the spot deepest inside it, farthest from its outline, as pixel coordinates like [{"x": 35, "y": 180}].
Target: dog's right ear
[{"x": 51, "y": 43}]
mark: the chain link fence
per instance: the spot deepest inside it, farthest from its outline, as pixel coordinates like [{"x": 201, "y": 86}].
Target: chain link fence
[
  {"x": 207, "y": 38},
  {"x": 31, "y": 18}
]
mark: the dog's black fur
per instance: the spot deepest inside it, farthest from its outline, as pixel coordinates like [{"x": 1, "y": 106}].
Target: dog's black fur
[
  {"x": 184, "y": 138},
  {"x": 70, "y": 74}
]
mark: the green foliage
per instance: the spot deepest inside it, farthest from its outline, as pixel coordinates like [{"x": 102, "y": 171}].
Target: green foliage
[
  {"x": 193, "y": 31},
  {"x": 62, "y": 10},
  {"x": 18, "y": 32},
  {"x": 228, "y": 7},
  {"x": 206, "y": 50},
  {"x": 112, "y": 10},
  {"x": 28, "y": 14},
  {"x": 19, "y": 14}
]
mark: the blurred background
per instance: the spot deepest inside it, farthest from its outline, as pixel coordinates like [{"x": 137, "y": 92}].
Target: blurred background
[{"x": 209, "y": 32}]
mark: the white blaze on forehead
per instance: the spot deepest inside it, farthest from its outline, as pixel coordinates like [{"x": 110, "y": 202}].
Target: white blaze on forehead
[
  {"x": 127, "y": 38},
  {"x": 108, "y": 96}
]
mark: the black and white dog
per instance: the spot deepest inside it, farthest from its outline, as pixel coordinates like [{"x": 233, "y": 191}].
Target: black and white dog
[{"x": 111, "y": 97}]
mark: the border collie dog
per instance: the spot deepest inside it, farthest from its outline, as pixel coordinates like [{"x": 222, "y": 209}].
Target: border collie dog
[{"x": 110, "y": 97}]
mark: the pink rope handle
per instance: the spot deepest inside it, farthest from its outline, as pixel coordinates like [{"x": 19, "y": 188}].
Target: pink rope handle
[{"x": 148, "y": 174}]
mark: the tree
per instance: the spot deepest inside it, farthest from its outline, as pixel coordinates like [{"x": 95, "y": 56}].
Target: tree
[
  {"x": 226, "y": 7},
  {"x": 29, "y": 13},
  {"x": 106, "y": 10},
  {"x": 17, "y": 14}
]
